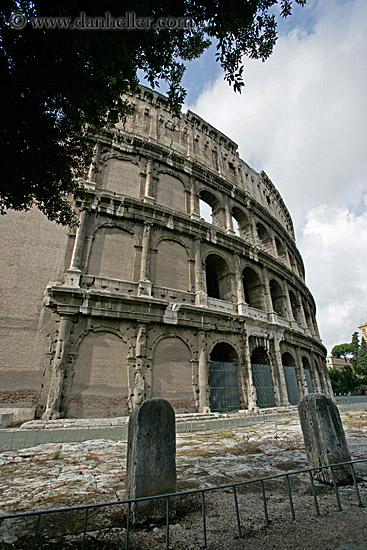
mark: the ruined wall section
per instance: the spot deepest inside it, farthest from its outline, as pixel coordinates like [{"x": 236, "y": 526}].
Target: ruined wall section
[{"x": 191, "y": 136}]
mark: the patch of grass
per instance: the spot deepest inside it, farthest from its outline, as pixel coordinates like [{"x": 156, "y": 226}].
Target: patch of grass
[{"x": 57, "y": 453}]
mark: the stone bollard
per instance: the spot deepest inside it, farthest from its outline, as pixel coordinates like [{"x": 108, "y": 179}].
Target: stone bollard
[
  {"x": 151, "y": 458},
  {"x": 324, "y": 437}
]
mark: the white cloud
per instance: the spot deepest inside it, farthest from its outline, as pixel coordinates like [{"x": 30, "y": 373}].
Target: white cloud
[
  {"x": 302, "y": 118},
  {"x": 334, "y": 249}
]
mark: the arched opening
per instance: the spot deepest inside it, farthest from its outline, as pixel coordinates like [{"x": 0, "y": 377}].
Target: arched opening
[
  {"x": 307, "y": 369},
  {"x": 289, "y": 366},
  {"x": 223, "y": 379},
  {"x": 236, "y": 227},
  {"x": 253, "y": 288},
  {"x": 210, "y": 209},
  {"x": 262, "y": 378},
  {"x": 277, "y": 298},
  {"x": 294, "y": 306},
  {"x": 280, "y": 248},
  {"x": 262, "y": 233},
  {"x": 218, "y": 278},
  {"x": 240, "y": 222}
]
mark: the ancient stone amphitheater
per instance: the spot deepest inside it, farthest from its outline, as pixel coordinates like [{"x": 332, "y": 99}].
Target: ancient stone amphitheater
[{"x": 182, "y": 281}]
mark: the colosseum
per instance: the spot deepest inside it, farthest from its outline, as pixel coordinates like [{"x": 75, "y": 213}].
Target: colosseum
[{"x": 182, "y": 281}]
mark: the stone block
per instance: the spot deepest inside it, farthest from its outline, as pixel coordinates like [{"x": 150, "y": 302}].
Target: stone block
[
  {"x": 324, "y": 437},
  {"x": 6, "y": 419},
  {"x": 151, "y": 457}
]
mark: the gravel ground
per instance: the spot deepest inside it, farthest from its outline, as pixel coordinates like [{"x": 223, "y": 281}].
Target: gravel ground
[{"x": 51, "y": 476}]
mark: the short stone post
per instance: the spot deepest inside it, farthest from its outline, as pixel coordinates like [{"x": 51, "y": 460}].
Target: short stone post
[
  {"x": 151, "y": 458},
  {"x": 324, "y": 437}
]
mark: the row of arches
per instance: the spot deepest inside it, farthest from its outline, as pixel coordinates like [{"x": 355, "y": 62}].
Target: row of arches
[
  {"x": 115, "y": 253},
  {"x": 100, "y": 383},
  {"x": 168, "y": 190},
  {"x": 246, "y": 226}
]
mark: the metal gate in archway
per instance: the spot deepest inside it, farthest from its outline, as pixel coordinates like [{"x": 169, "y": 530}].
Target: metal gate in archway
[
  {"x": 291, "y": 383},
  {"x": 224, "y": 394},
  {"x": 309, "y": 381},
  {"x": 263, "y": 382}
]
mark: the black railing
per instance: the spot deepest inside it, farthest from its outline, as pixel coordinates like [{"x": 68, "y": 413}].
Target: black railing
[{"x": 232, "y": 486}]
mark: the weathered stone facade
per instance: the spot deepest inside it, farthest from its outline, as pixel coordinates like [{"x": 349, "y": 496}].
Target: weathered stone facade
[{"x": 154, "y": 298}]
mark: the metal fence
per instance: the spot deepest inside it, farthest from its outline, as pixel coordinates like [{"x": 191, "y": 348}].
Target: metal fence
[{"x": 168, "y": 498}]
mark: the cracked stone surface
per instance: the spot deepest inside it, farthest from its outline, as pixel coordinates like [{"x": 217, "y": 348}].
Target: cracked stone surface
[{"x": 55, "y": 475}]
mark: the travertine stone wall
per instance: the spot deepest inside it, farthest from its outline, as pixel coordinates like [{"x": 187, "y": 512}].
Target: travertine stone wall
[{"x": 152, "y": 293}]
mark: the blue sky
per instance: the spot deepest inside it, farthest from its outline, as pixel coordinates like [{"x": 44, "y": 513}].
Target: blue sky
[{"x": 302, "y": 118}]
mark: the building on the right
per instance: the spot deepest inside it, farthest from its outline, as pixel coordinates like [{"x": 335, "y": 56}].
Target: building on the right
[{"x": 363, "y": 329}]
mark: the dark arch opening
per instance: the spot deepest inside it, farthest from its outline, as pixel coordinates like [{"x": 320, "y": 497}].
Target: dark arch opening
[
  {"x": 288, "y": 360},
  {"x": 262, "y": 232},
  {"x": 277, "y": 298},
  {"x": 223, "y": 378},
  {"x": 280, "y": 248},
  {"x": 294, "y": 306},
  {"x": 253, "y": 288},
  {"x": 218, "y": 278}
]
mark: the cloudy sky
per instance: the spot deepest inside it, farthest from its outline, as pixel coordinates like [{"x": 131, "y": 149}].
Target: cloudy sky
[{"x": 302, "y": 118}]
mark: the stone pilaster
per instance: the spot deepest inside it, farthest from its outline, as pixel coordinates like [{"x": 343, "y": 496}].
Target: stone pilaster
[
  {"x": 194, "y": 200},
  {"x": 203, "y": 374},
  {"x": 251, "y": 390},
  {"x": 200, "y": 294},
  {"x": 228, "y": 216},
  {"x": 240, "y": 295},
  {"x": 145, "y": 285},
  {"x": 267, "y": 294},
  {"x": 284, "y": 401},
  {"x": 73, "y": 274},
  {"x": 59, "y": 365},
  {"x": 148, "y": 194}
]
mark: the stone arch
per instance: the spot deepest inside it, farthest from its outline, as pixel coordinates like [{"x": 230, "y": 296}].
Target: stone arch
[
  {"x": 295, "y": 306},
  {"x": 262, "y": 377},
  {"x": 242, "y": 221},
  {"x": 253, "y": 288},
  {"x": 262, "y": 233},
  {"x": 289, "y": 367},
  {"x": 112, "y": 253},
  {"x": 217, "y": 217},
  {"x": 172, "y": 268},
  {"x": 280, "y": 248},
  {"x": 277, "y": 298},
  {"x": 172, "y": 372},
  {"x": 223, "y": 378},
  {"x": 99, "y": 386},
  {"x": 218, "y": 278},
  {"x": 171, "y": 192}
]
